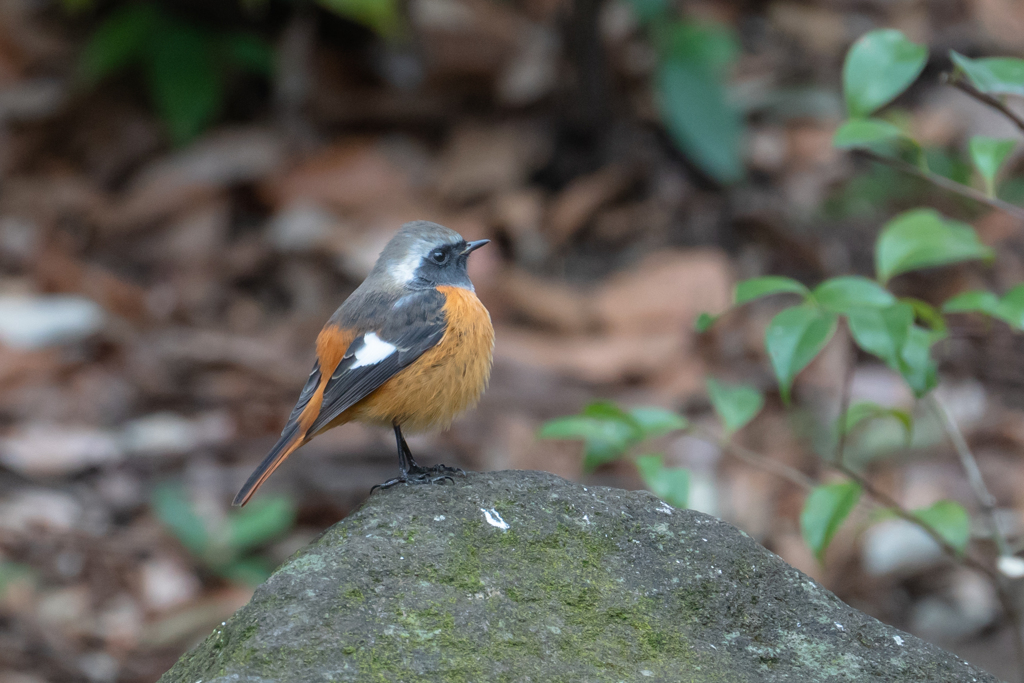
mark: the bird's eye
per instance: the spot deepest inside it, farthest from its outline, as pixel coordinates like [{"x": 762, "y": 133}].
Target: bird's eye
[{"x": 439, "y": 256}]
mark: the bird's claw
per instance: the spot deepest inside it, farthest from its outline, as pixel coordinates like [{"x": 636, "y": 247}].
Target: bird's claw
[{"x": 437, "y": 474}]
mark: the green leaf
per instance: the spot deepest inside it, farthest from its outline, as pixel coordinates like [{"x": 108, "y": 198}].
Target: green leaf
[
  {"x": 173, "y": 508},
  {"x": 607, "y": 432},
  {"x": 671, "y": 484},
  {"x": 867, "y": 133},
  {"x": 825, "y": 509},
  {"x": 250, "y": 52},
  {"x": 248, "y": 571},
  {"x": 184, "y": 80},
  {"x": 704, "y": 322},
  {"x": 993, "y": 75},
  {"x": 748, "y": 290},
  {"x": 1009, "y": 309},
  {"x": 882, "y": 331},
  {"x": 879, "y": 66},
  {"x": 382, "y": 16},
  {"x": 119, "y": 41},
  {"x": 890, "y": 334},
  {"x": 950, "y": 521},
  {"x": 973, "y": 302},
  {"x": 657, "y": 421},
  {"x": 260, "y": 521},
  {"x": 709, "y": 45},
  {"x": 840, "y": 294},
  {"x": 794, "y": 337},
  {"x": 699, "y": 119},
  {"x": 988, "y": 155},
  {"x": 917, "y": 367},
  {"x": 922, "y": 238},
  {"x": 929, "y": 315},
  {"x": 864, "y": 411},
  {"x": 735, "y": 405}
]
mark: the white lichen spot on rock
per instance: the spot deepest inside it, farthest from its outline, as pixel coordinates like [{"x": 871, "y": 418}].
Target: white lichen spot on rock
[
  {"x": 586, "y": 518},
  {"x": 839, "y": 626},
  {"x": 646, "y": 672},
  {"x": 494, "y": 519},
  {"x": 665, "y": 508},
  {"x": 439, "y": 518},
  {"x": 899, "y": 641}
]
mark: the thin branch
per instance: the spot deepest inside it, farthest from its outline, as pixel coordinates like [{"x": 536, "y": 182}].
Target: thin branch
[
  {"x": 970, "y": 465},
  {"x": 885, "y": 500},
  {"x": 844, "y": 407},
  {"x": 944, "y": 183},
  {"x": 755, "y": 459},
  {"x": 958, "y": 81}
]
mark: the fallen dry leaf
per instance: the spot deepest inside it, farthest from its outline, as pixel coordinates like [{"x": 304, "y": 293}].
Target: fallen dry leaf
[{"x": 666, "y": 292}]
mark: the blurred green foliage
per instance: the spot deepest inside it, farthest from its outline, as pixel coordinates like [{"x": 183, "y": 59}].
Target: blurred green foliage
[
  {"x": 185, "y": 66},
  {"x": 225, "y": 548},
  {"x": 694, "y": 60},
  {"x": 899, "y": 331}
]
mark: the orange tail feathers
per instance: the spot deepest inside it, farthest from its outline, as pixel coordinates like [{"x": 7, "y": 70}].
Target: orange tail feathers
[{"x": 285, "y": 446}]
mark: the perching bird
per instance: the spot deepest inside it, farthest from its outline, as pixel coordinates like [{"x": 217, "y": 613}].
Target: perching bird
[{"x": 411, "y": 347}]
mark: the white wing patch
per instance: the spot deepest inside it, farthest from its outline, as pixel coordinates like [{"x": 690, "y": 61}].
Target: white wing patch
[{"x": 373, "y": 350}]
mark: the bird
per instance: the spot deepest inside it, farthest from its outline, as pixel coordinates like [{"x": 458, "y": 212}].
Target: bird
[{"x": 411, "y": 348}]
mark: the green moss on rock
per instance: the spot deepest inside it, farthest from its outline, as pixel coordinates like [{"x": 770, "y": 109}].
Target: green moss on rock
[{"x": 523, "y": 576}]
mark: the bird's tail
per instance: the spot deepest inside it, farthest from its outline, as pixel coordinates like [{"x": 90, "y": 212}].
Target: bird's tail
[{"x": 290, "y": 440}]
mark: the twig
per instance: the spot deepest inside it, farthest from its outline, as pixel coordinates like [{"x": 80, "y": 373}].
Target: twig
[
  {"x": 844, "y": 406},
  {"x": 888, "y": 501},
  {"x": 970, "y": 465},
  {"x": 755, "y": 459},
  {"x": 944, "y": 183},
  {"x": 957, "y": 81}
]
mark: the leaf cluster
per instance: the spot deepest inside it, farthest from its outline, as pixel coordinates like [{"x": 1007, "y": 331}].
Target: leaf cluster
[
  {"x": 226, "y": 548},
  {"x": 882, "y": 64}
]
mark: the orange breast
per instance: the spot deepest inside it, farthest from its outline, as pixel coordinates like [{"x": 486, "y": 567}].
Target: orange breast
[{"x": 445, "y": 380}]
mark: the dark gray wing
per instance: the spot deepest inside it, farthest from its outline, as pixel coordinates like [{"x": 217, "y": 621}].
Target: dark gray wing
[
  {"x": 415, "y": 324},
  {"x": 307, "y": 393}
]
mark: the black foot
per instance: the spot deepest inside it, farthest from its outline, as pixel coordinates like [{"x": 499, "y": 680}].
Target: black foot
[
  {"x": 438, "y": 474},
  {"x": 442, "y": 469}
]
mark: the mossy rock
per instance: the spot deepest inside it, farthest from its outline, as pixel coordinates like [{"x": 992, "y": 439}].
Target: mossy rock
[{"x": 523, "y": 576}]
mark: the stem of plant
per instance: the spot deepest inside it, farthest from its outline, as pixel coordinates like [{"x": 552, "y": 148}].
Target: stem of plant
[
  {"x": 844, "y": 407},
  {"x": 970, "y": 466},
  {"x": 944, "y": 183},
  {"x": 755, "y": 459},
  {"x": 959, "y": 82},
  {"x": 795, "y": 476}
]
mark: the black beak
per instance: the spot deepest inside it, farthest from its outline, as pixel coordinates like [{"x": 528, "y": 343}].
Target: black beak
[{"x": 473, "y": 246}]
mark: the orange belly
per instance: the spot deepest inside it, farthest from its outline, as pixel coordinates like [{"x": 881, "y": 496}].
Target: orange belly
[{"x": 441, "y": 383}]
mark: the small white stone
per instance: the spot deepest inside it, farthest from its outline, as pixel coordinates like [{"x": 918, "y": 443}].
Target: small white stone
[
  {"x": 439, "y": 518},
  {"x": 1011, "y": 566},
  {"x": 494, "y": 519},
  {"x": 899, "y": 641},
  {"x": 839, "y": 626}
]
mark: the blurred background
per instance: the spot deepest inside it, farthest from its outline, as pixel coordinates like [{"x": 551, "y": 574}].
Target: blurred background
[{"x": 189, "y": 188}]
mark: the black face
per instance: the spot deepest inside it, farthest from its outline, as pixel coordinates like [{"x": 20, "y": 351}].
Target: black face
[{"x": 446, "y": 265}]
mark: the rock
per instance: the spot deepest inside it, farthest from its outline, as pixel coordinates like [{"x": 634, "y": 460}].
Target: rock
[{"x": 523, "y": 576}]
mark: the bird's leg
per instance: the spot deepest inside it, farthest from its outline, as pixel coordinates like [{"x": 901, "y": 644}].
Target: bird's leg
[{"x": 411, "y": 471}]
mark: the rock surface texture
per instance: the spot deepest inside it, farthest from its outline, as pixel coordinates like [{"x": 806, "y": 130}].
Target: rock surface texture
[{"x": 523, "y": 576}]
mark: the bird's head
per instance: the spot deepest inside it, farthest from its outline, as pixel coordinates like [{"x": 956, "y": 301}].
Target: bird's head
[{"x": 424, "y": 255}]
